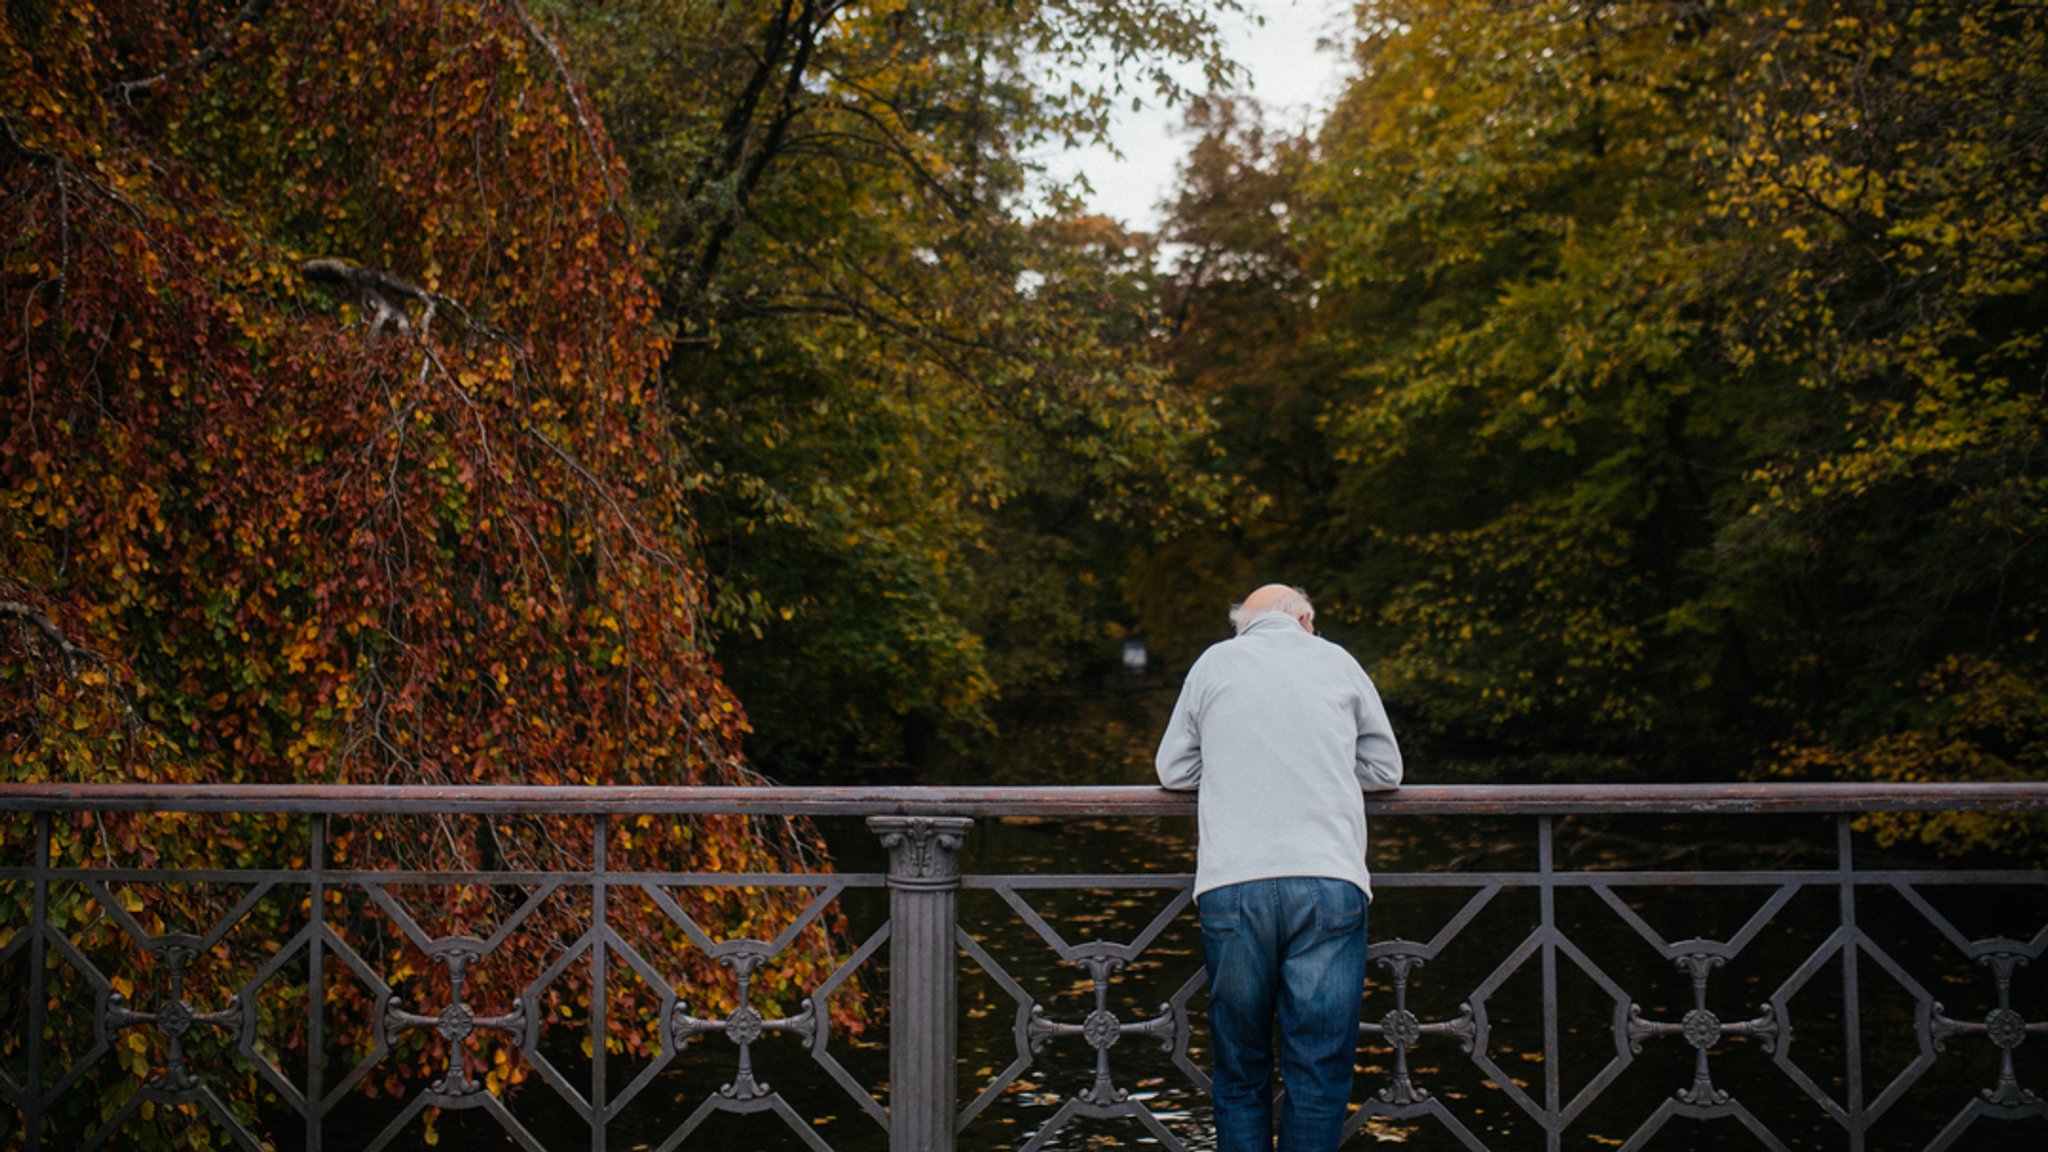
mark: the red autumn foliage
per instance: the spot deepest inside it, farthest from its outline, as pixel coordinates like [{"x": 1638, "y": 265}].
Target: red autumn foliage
[{"x": 333, "y": 449}]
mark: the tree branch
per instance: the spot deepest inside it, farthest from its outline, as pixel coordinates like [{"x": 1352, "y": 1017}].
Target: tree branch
[
  {"x": 375, "y": 289},
  {"x": 71, "y": 652},
  {"x": 583, "y": 121},
  {"x": 380, "y": 291},
  {"x": 250, "y": 12}
]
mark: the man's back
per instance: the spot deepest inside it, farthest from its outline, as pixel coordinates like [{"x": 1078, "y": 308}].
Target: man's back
[{"x": 1281, "y": 731}]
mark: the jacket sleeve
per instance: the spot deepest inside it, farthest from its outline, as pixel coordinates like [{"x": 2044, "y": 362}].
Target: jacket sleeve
[
  {"x": 1378, "y": 758},
  {"x": 1179, "y": 761}
]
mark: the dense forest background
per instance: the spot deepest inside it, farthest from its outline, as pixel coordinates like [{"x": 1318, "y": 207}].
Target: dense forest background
[{"x": 664, "y": 390}]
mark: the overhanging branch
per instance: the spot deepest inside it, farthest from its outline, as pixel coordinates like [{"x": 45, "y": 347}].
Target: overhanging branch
[
  {"x": 69, "y": 651},
  {"x": 249, "y": 13}
]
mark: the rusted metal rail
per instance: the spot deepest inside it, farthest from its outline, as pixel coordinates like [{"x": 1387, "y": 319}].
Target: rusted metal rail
[{"x": 1535, "y": 996}]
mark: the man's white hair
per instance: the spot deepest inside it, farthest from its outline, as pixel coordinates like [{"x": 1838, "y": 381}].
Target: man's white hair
[{"x": 1295, "y": 603}]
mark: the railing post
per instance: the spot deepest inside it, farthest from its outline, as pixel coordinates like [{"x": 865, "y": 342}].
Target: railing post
[
  {"x": 1852, "y": 993},
  {"x": 924, "y": 883},
  {"x": 600, "y": 930},
  {"x": 316, "y": 983},
  {"x": 38, "y": 991},
  {"x": 1546, "y": 896}
]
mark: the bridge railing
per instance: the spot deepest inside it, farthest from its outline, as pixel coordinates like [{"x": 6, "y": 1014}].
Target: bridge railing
[{"x": 1583, "y": 970}]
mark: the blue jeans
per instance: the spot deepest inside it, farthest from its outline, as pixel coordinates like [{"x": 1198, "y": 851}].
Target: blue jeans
[{"x": 1291, "y": 951}]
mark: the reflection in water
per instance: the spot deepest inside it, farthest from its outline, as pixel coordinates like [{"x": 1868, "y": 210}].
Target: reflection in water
[{"x": 1103, "y": 735}]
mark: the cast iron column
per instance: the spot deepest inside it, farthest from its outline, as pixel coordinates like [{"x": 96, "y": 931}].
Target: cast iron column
[{"x": 924, "y": 881}]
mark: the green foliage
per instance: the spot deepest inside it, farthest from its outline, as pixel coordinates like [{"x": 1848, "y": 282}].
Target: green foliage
[
  {"x": 1677, "y": 371},
  {"x": 1241, "y": 314},
  {"x": 919, "y": 410}
]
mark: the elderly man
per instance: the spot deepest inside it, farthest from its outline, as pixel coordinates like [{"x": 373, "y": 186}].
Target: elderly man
[{"x": 1281, "y": 732}]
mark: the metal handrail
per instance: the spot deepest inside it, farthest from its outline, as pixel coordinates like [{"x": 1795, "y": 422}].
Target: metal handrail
[{"x": 1107, "y": 800}]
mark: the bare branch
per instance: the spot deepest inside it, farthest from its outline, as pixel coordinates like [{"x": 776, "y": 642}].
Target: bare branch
[
  {"x": 381, "y": 292},
  {"x": 71, "y": 653},
  {"x": 250, "y": 12},
  {"x": 750, "y": 148},
  {"x": 10, "y": 135},
  {"x": 375, "y": 290},
  {"x": 583, "y": 121},
  {"x": 370, "y": 282}
]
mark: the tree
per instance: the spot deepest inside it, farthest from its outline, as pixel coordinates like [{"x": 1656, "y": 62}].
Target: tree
[
  {"x": 1240, "y": 306},
  {"x": 335, "y": 448},
  {"x": 918, "y": 404},
  {"x": 1892, "y": 188},
  {"x": 1688, "y": 373},
  {"x": 1508, "y": 229}
]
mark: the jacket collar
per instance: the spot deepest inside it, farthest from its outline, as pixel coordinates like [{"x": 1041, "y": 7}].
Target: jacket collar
[{"x": 1274, "y": 621}]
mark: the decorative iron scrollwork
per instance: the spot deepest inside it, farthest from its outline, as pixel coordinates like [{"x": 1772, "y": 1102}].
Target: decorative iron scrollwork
[
  {"x": 77, "y": 924},
  {"x": 174, "y": 1017},
  {"x": 1403, "y": 1030},
  {"x": 745, "y": 1024},
  {"x": 1101, "y": 1029},
  {"x": 456, "y": 1022},
  {"x": 2003, "y": 1026},
  {"x": 1702, "y": 1029}
]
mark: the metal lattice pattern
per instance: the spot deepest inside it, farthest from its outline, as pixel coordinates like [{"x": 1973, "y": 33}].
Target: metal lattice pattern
[
  {"x": 1858, "y": 1109},
  {"x": 1810, "y": 1020},
  {"x": 1101, "y": 960},
  {"x": 164, "y": 1021}
]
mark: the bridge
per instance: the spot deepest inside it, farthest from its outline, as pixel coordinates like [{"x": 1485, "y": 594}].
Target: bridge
[{"x": 1552, "y": 967}]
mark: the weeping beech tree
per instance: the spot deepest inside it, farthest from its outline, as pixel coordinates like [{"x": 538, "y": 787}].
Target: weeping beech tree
[{"x": 332, "y": 454}]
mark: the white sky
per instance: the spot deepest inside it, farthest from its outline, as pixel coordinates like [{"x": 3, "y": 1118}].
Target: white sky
[{"x": 1288, "y": 74}]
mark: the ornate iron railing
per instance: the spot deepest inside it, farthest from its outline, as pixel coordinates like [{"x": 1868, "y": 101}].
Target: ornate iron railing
[{"x": 1560, "y": 1007}]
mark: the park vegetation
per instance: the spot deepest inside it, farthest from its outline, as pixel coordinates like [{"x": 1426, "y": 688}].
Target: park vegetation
[
  {"x": 664, "y": 391},
  {"x": 1656, "y": 390},
  {"x": 577, "y": 392}
]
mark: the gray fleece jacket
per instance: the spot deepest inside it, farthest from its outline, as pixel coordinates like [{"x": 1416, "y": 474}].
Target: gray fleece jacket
[{"x": 1282, "y": 733}]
